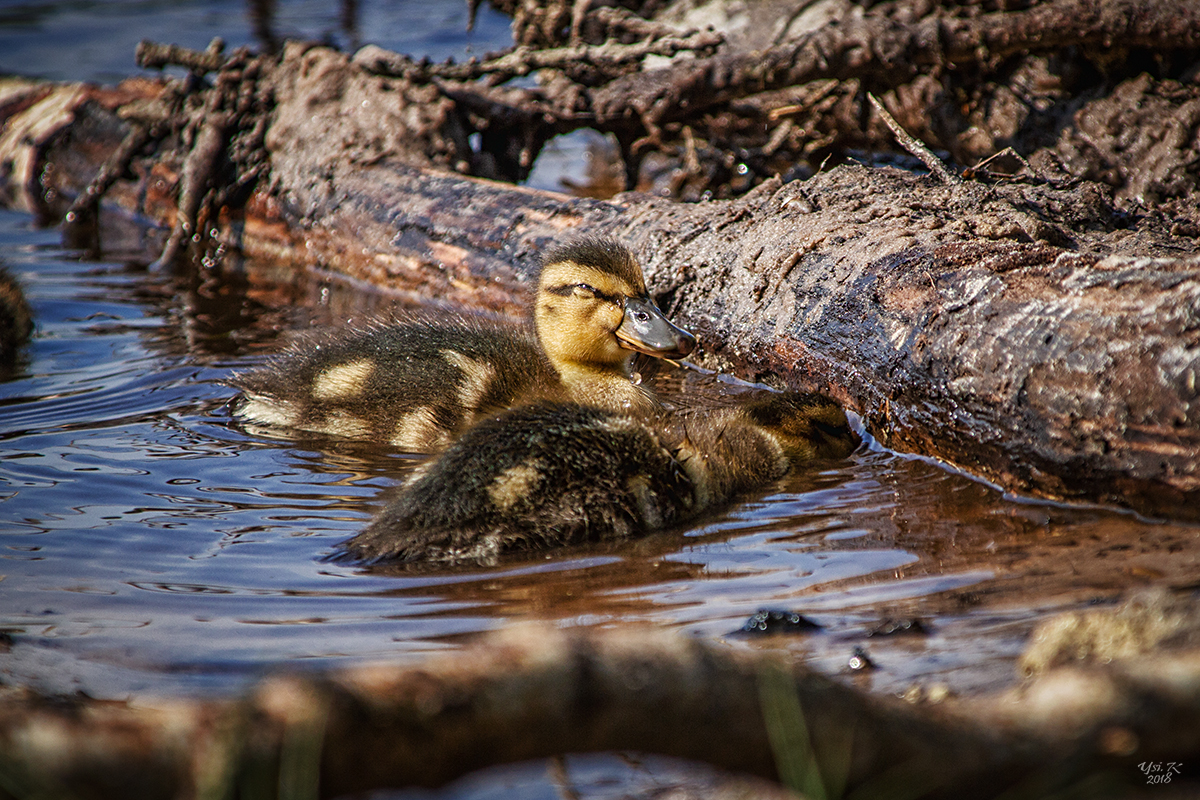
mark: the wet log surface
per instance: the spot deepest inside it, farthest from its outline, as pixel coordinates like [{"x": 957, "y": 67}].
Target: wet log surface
[
  {"x": 963, "y": 322},
  {"x": 1024, "y": 330}
]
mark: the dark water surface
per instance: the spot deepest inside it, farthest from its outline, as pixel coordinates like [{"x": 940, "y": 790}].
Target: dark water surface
[
  {"x": 94, "y": 40},
  {"x": 147, "y": 544}
]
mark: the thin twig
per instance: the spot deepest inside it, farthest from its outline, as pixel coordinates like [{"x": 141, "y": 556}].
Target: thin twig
[
  {"x": 982, "y": 166},
  {"x": 116, "y": 165},
  {"x": 912, "y": 145}
]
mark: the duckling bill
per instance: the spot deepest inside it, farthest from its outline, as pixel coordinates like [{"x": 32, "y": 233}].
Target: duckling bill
[
  {"x": 556, "y": 473},
  {"x": 417, "y": 384}
]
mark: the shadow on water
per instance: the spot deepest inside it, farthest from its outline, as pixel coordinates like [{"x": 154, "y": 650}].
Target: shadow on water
[{"x": 151, "y": 544}]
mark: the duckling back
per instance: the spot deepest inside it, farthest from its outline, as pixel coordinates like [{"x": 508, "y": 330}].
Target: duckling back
[
  {"x": 558, "y": 473},
  {"x": 544, "y": 474},
  {"x": 414, "y": 385}
]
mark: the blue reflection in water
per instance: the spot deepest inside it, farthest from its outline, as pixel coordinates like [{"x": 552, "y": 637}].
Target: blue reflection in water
[{"x": 95, "y": 40}]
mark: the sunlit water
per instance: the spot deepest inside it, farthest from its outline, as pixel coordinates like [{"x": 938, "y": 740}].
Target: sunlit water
[{"x": 150, "y": 544}]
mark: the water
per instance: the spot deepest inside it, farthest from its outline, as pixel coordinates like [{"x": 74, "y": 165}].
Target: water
[{"x": 94, "y": 40}]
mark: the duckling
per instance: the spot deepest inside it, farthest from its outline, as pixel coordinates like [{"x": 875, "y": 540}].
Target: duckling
[
  {"x": 556, "y": 473},
  {"x": 418, "y": 383}
]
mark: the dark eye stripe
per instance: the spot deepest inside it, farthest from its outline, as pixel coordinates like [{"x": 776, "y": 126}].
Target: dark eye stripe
[{"x": 568, "y": 289}]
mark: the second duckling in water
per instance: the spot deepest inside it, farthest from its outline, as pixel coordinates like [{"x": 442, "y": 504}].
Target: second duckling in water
[
  {"x": 559, "y": 473},
  {"x": 418, "y": 384}
]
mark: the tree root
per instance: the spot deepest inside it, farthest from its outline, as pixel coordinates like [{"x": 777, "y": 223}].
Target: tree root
[
  {"x": 887, "y": 51},
  {"x": 222, "y": 137},
  {"x": 718, "y": 123},
  {"x": 727, "y": 100}
]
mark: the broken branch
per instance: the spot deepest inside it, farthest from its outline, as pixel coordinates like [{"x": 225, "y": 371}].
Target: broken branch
[
  {"x": 153, "y": 55},
  {"x": 609, "y": 57}
]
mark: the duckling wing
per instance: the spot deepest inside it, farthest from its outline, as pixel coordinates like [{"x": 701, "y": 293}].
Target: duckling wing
[
  {"x": 415, "y": 385},
  {"x": 545, "y": 474}
]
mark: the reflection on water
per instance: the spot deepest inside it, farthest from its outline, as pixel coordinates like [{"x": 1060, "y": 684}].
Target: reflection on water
[
  {"x": 147, "y": 543},
  {"x": 94, "y": 40}
]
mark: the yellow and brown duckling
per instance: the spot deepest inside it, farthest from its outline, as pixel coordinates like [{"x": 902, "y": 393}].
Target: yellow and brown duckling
[
  {"x": 557, "y": 473},
  {"x": 418, "y": 384}
]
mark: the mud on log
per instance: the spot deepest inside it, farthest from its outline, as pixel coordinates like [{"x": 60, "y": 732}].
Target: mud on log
[{"x": 534, "y": 692}]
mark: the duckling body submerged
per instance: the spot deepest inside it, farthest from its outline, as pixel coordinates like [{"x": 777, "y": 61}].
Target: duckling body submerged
[
  {"x": 418, "y": 384},
  {"x": 559, "y": 473}
]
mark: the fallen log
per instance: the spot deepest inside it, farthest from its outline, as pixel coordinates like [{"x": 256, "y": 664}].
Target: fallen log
[
  {"x": 1024, "y": 331},
  {"x": 533, "y": 692}
]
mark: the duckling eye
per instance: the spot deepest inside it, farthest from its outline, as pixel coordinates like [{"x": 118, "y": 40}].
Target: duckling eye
[{"x": 583, "y": 290}]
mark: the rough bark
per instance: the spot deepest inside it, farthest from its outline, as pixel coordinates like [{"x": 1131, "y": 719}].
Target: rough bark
[
  {"x": 1023, "y": 330},
  {"x": 534, "y": 692},
  {"x": 968, "y": 77},
  {"x": 787, "y": 93}
]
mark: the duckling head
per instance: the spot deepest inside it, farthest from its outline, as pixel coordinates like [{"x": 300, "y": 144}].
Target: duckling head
[
  {"x": 806, "y": 425},
  {"x": 593, "y": 313}
]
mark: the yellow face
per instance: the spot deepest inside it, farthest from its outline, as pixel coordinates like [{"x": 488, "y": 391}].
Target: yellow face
[
  {"x": 591, "y": 318},
  {"x": 578, "y": 313}
]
